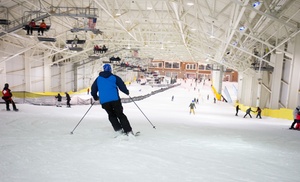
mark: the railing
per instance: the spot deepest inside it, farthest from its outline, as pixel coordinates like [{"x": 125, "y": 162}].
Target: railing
[{"x": 74, "y": 11}]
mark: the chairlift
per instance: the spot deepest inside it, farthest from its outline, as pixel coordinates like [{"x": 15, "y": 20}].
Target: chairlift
[
  {"x": 5, "y": 22},
  {"x": 71, "y": 37},
  {"x": 37, "y": 25}
]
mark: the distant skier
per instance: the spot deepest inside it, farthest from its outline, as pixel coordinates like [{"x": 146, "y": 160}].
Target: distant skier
[
  {"x": 58, "y": 100},
  {"x": 237, "y": 108},
  {"x": 68, "y": 99},
  {"x": 172, "y": 97},
  {"x": 248, "y": 112},
  {"x": 295, "y": 114},
  {"x": 258, "y": 113},
  {"x": 192, "y": 107},
  {"x": 7, "y": 97}
]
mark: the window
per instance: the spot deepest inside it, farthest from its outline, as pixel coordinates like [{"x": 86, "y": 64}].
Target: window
[
  {"x": 168, "y": 65},
  {"x": 176, "y": 65},
  {"x": 156, "y": 65},
  {"x": 201, "y": 67},
  {"x": 190, "y": 67},
  {"x": 172, "y": 65}
]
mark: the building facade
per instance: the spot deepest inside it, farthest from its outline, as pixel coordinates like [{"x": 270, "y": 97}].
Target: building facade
[{"x": 190, "y": 70}]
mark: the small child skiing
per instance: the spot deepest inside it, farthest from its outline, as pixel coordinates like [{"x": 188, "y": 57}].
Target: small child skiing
[
  {"x": 58, "y": 100},
  {"x": 192, "y": 107}
]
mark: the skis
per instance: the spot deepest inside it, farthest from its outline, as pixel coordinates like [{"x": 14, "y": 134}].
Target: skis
[{"x": 125, "y": 135}]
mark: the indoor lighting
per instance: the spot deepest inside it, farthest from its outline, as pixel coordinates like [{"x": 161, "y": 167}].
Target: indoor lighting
[{"x": 257, "y": 3}]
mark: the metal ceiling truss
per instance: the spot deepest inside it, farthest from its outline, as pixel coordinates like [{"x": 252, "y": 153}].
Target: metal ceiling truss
[{"x": 162, "y": 29}]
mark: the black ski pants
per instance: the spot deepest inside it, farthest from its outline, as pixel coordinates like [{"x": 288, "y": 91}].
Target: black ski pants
[
  {"x": 7, "y": 102},
  {"x": 248, "y": 114},
  {"x": 116, "y": 116},
  {"x": 295, "y": 121}
]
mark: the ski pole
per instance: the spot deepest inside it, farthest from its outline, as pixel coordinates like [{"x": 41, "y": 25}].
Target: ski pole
[
  {"x": 142, "y": 112},
  {"x": 82, "y": 118}
]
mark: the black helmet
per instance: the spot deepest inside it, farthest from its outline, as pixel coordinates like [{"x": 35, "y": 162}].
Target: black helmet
[{"x": 6, "y": 85}]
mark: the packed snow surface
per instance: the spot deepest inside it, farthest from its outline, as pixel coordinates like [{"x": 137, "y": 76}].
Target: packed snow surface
[{"x": 213, "y": 145}]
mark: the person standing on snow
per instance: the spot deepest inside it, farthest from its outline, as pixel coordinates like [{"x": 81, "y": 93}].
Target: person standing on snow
[
  {"x": 7, "y": 97},
  {"x": 105, "y": 88},
  {"x": 237, "y": 108},
  {"x": 296, "y": 111},
  {"x": 192, "y": 107},
  {"x": 68, "y": 99},
  {"x": 58, "y": 100},
  {"x": 248, "y": 112},
  {"x": 258, "y": 113}
]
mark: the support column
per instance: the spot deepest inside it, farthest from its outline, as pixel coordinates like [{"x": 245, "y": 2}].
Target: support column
[
  {"x": 259, "y": 79},
  {"x": 63, "y": 79},
  {"x": 27, "y": 69},
  {"x": 249, "y": 90},
  {"x": 2, "y": 73},
  {"x": 47, "y": 75},
  {"x": 75, "y": 67},
  {"x": 294, "y": 91},
  {"x": 276, "y": 80},
  {"x": 217, "y": 76}
]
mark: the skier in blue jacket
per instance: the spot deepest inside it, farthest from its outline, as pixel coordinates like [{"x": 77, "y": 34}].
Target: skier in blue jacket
[{"x": 105, "y": 88}]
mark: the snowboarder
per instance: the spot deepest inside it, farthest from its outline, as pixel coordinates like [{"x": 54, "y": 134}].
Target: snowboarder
[
  {"x": 105, "y": 88},
  {"x": 248, "y": 112},
  {"x": 7, "y": 97},
  {"x": 192, "y": 107}
]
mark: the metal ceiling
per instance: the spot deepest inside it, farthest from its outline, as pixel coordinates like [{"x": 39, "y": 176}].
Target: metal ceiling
[{"x": 227, "y": 32}]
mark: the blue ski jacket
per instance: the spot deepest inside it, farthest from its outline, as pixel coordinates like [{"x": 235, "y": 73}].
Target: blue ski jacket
[{"x": 106, "y": 86}]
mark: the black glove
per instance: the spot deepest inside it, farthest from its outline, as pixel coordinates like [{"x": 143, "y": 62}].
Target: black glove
[{"x": 96, "y": 98}]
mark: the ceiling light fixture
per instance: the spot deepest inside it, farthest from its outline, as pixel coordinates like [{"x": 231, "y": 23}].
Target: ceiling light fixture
[
  {"x": 242, "y": 28},
  {"x": 255, "y": 4}
]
